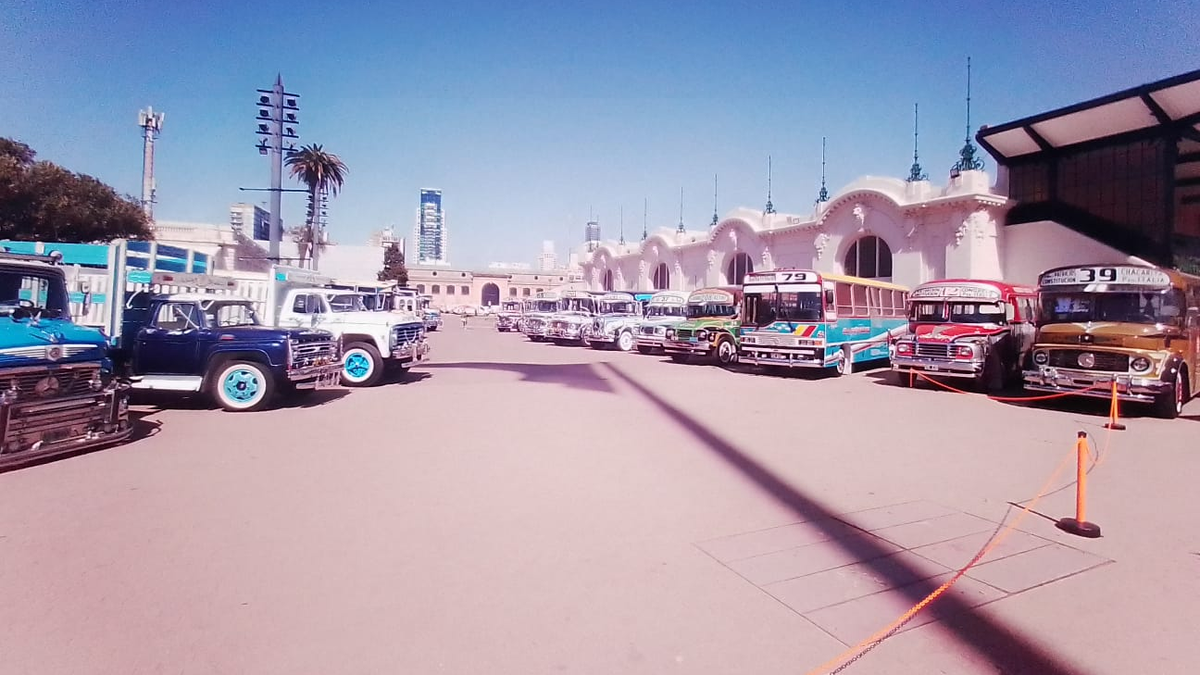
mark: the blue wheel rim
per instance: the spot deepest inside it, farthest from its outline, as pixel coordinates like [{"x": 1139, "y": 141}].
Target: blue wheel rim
[
  {"x": 357, "y": 365},
  {"x": 241, "y": 385}
]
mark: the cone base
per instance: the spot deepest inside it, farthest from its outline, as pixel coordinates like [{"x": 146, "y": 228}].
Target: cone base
[
  {"x": 1079, "y": 528},
  {"x": 1115, "y": 426}
]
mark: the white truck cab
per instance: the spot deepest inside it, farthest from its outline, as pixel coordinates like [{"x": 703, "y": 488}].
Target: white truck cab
[{"x": 371, "y": 340}]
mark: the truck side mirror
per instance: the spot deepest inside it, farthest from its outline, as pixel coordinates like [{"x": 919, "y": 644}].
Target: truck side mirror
[{"x": 87, "y": 302}]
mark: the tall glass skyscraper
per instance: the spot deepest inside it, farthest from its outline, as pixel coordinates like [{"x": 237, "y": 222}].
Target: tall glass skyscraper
[{"x": 430, "y": 232}]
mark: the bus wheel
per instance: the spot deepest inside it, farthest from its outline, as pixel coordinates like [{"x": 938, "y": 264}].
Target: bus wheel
[
  {"x": 625, "y": 341},
  {"x": 726, "y": 352},
  {"x": 1169, "y": 404},
  {"x": 844, "y": 365}
]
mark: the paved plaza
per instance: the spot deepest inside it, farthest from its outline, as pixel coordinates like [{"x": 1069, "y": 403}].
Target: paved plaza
[{"x": 528, "y": 508}]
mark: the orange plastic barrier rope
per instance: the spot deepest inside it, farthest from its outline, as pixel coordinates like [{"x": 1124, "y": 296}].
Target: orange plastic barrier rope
[
  {"x": 848, "y": 657},
  {"x": 1014, "y": 399}
]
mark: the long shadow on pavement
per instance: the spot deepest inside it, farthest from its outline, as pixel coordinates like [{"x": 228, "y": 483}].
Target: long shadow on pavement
[
  {"x": 574, "y": 375},
  {"x": 1003, "y": 647}
]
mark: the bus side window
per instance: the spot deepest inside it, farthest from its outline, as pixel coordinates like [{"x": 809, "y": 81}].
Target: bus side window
[
  {"x": 845, "y": 306},
  {"x": 859, "y": 294}
]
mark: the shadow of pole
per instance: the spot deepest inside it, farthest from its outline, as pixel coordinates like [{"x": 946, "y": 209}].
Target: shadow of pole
[{"x": 1004, "y": 648}]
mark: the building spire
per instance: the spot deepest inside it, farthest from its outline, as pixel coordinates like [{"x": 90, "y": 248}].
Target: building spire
[
  {"x": 770, "y": 207},
  {"x": 645, "y": 212},
  {"x": 715, "y": 218},
  {"x": 622, "y": 242},
  {"x": 915, "y": 173},
  {"x": 823, "y": 195},
  {"x": 680, "y": 228},
  {"x": 968, "y": 159}
]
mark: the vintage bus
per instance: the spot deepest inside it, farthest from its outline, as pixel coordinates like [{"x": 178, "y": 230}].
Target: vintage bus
[
  {"x": 576, "y": 309},
  {"x": 709, "y": 329},
  {"x": 968, "y": 328},
  {"x": 1132, "y": 325},
  {"x": 537, "y": 315},
  {"x": 663, "y": 310},
  {"x": 806, "y": 319}
]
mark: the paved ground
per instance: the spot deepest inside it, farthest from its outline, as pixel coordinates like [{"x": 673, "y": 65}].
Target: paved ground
[{"x": 526, "y": 508}]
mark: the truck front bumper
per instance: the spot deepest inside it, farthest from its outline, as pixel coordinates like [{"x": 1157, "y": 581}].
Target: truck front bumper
[
  {"x": 38, "y": 428},
  {"x": 673, "y": 347},
  {"x": 939, "y": 367},
  {"x": 325, "y": 376},
  {"x": 571, "y": 333},
  {"x": 1095, "y": 385},
  {"x": 410, "y": 352}
]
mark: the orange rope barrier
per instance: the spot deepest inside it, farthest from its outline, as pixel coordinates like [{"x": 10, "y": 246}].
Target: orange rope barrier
[{"x": 1046, "y": 397}]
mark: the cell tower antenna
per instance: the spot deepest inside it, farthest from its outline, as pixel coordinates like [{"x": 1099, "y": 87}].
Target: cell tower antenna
[{"x": 151, "y": 124}]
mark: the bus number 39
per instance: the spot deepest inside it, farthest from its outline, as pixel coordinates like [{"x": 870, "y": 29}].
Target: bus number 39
[{"x": 1091, "y": 274}]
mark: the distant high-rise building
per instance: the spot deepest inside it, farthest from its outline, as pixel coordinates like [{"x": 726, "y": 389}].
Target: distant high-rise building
[
  {"x": 547, "y": 261},
  {"x": 250, "y": 220},
  {"x": 430, "y": 232},
  {"x": 591, "y": 234}
]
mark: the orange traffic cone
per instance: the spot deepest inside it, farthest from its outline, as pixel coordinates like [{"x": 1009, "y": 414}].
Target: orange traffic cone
[
  {"x": 1113, "y": 412},
  {"x": 1079, "y": 524}
]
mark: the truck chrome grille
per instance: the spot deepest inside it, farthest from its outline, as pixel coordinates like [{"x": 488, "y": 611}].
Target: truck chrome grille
[
  {"x": 48, "y": 383},
  {"x": 408, "y": 333},
  {"x": 313, "y": 353},
  {"x": 1104, "y": 361},
  {"x": 684, "y": 333}
]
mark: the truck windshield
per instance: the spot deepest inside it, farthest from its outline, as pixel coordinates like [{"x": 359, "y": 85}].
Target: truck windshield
[
  {"x": 702, "y": 311},
  {"x": 664, "y": 310},
  {"x": 1124, "y": 307},
  {"x": 230, "y": 314},
  {"x": 19, "y": 288},
  {"x": 761, "y": 309},
  {"x": 622, "y": 307},
  {"x": 348, "y": 302}
]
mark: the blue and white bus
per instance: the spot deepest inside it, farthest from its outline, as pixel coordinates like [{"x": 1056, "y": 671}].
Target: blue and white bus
[{"x": 806, "y": 319}]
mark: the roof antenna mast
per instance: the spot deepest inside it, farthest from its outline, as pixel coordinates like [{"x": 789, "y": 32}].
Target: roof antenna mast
[
  {"x": 715, "y": 218},
  {"x": 915, "y": 173},
  {"x": 823, "y": 195},
  {"x": 968, "y": 159},
  {"x": 680, "y": 228},
  {"x": 645, "y": 211}
]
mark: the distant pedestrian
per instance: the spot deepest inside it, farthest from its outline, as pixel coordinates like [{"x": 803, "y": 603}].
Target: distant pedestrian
[{"x": 464, "y": 320}]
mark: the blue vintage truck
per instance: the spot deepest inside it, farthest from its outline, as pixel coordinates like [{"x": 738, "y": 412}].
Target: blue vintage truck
[{"x": 57, "y": 390}]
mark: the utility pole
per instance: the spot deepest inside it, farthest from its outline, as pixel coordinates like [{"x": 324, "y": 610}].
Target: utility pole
[
  {"x": 151, "y": 124},
  {"x": 277, "y": 121}
]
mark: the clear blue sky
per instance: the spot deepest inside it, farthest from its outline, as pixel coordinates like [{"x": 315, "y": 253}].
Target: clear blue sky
[{"x": 525, "y": 117}]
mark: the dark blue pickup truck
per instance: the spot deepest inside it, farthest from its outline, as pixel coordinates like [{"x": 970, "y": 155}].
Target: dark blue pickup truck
[{"x": 215, "y": 344}]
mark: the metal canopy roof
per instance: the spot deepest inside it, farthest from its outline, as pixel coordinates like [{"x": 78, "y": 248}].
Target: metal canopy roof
[{"x": 1173, "y": 102}]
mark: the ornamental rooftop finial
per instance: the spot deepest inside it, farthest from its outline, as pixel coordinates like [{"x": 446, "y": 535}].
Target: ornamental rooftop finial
[
  {"x": 823, "y": 195},
  {"x": 968, "y": 159},
  {"x": 915, "y": 173}
]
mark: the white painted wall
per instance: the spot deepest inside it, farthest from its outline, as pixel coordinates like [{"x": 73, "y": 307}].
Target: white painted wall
[{"x": 1032, "y": 248}]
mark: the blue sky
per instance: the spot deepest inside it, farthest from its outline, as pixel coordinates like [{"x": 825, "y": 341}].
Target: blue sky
[{"x": 527, "y": 116}]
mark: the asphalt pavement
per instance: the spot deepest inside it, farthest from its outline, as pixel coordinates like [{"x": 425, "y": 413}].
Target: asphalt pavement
[{"x": 512, "y": 507}]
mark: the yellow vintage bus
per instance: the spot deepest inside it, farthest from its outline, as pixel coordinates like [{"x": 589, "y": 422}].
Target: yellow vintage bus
[{"x": 1134, "y": 325}]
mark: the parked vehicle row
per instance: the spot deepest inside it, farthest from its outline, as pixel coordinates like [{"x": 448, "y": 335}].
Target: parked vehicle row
[
  {"x": 1085, "y": 330},
  {"x": 144, "y": 320}
]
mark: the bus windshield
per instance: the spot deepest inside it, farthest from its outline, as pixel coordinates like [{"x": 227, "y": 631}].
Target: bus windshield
[
  {"x": 621, "y": 307},
  {"x": 707, "y": 310},
  {"x": 957, "y": 312},
  {"x": 545, "y": 306},
  {"x": 762, "y": 309},
  {"x": 586, "y": 305},
  {"x": 664, "y": 310},
  {"x": 1123, "y": 307}
]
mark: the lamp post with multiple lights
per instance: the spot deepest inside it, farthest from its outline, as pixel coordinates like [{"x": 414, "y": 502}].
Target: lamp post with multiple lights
[{"x": 276, "y": 121}]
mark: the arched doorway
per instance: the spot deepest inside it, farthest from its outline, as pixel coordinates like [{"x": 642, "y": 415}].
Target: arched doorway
[
  {"x": 490, "y": 295},
  {"x": 608, "y": 280},
  {"x": 738, "y": 268},
  {"x": 662, "y": 277},
  {"x": 869, "y": 258}
]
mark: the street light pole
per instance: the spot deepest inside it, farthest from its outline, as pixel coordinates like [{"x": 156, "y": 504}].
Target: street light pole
[{"x": 276, "y": 108}]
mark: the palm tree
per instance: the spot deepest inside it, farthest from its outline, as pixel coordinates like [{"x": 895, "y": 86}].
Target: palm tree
[{"x": 322, "y": 173}]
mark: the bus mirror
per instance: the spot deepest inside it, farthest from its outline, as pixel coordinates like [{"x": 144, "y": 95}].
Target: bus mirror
[{"x": 828, "y": 298}]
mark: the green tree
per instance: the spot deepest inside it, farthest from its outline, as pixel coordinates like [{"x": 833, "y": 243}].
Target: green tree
[
  {"x": 41, "y": 200},
  {"x": 322, "y": 173},
  {"x": 393, "y": 266}
]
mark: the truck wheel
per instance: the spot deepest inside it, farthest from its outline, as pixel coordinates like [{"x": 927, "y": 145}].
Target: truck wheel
[
  {"x": 242, "y": 386},
  {"x": 1169, "y": 404},
  {"x": 361, "y": 365},
  {"x": 625, "y": 341}
]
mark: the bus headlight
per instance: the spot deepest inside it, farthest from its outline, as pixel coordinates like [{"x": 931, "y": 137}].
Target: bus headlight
[
  {"x": 1041, "y": 358},
  {"x": 702, "y": 335},
  {"x": 1141, "y": 364},
  {"x": 670, "y": 333},
  {"x": 903, "y": 348}
]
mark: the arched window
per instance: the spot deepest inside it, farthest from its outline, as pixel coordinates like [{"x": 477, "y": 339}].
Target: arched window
[
  {"x": 608, "y": 280},
  {"x": 525, "y": 292},
  {"x": 739, "y": 267},
  {"x": 421, "y": 289},
  {"x": 662, "y": 277},
  {"x": 869, "y": 258},
  {"x": 436, "y": 289}
]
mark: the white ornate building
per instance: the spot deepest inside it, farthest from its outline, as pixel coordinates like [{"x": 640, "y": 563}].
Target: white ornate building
[{"x": 905, "y": 232}]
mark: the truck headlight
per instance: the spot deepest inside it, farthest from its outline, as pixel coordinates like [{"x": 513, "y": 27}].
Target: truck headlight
[
  {"x": 1141, "y": 364},
  {"x": 1041, "y": 358},
  {"x": 702, "y": 335},
  {"x": 670, "y": 333}
]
